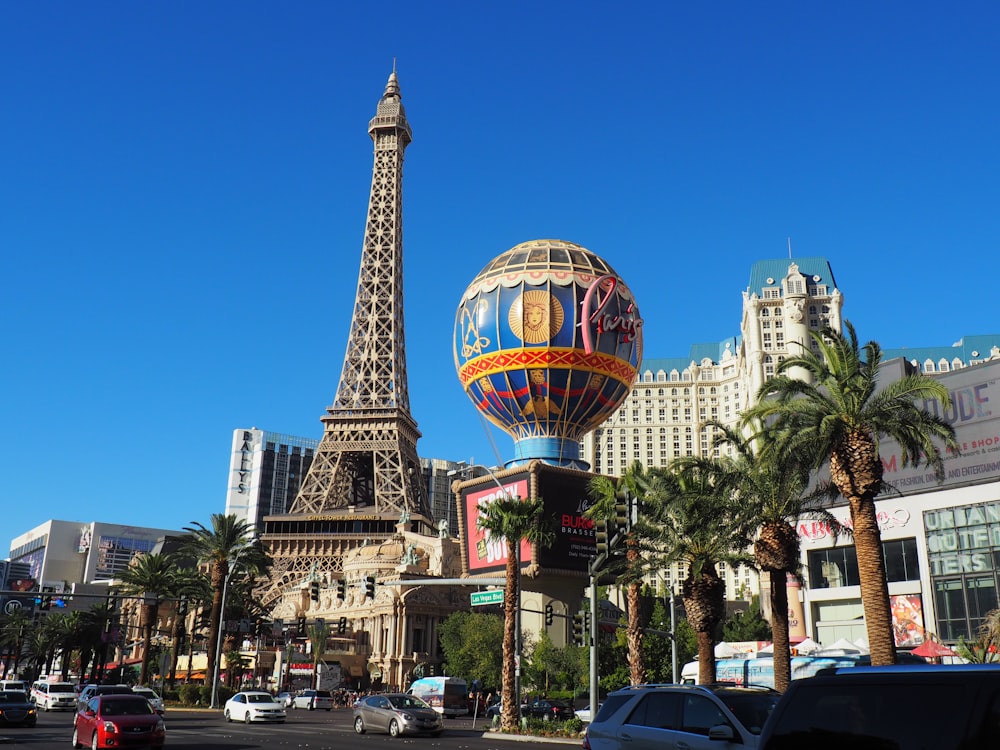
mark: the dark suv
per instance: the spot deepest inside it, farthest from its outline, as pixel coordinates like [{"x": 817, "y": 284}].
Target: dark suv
[
  {"x": 669, "y": 716},
  {"x": 905, "y": 707}
]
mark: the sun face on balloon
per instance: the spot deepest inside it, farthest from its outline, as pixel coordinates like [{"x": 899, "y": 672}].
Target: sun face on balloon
[{"x": 536, "y": 316}]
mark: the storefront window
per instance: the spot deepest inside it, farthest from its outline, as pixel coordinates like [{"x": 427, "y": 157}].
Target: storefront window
[{"x": 838, "y": 566}]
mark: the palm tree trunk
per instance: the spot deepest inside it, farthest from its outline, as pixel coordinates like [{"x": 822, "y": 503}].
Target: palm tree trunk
[
  {"x": 175, "y": 647},
  {"x": 706, "y": 658},
  {"x": 779, "y": 630},
  {"x": 149, "y": 616},
  {"x": 508, "y": 695},
  {"x": 219, "y": 574},
  {"x": 874, "y": 588},
  {"x": 636, "y": 666}
]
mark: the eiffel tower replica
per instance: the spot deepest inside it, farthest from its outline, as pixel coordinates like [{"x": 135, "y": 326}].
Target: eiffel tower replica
[{"x": 365, "y": 478}]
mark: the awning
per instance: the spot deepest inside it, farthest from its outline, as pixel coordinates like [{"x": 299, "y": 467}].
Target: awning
[{"x": 933, "y": 649}]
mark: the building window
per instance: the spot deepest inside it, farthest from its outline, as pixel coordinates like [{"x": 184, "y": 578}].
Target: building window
[{"x": 838, "y": 566}]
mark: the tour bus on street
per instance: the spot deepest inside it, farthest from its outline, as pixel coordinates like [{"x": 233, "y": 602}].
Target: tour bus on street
[{"x": 449, "y": 696}]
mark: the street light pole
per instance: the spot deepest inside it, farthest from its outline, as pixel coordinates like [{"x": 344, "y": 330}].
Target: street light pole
[{"x": 222, "y": 629}]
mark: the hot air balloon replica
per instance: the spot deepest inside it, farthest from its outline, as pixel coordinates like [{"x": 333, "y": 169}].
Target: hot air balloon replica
[{"x": 547, "y": 344}]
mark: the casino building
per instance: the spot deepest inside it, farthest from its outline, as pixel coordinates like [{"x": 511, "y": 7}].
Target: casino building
[{"x": 942, "y": 542}]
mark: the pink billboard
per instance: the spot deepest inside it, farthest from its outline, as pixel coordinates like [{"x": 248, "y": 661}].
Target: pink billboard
[{"x": 486, "y": 554}]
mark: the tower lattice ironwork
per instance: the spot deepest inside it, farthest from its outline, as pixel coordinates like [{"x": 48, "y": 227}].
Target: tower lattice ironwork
[
  {"x": 365, "y": 476},
  {"x": 368, "y": 454}
]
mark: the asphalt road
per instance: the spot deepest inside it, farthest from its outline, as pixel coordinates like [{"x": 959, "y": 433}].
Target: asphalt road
[{"x": 315, "y": 730}]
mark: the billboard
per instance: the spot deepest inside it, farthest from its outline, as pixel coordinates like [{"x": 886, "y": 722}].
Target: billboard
[
  {"x": 564, "y": 492},
  {"x": 566, "y": 500},
  {"x": 974, "y": 391},
  {"x": 487, "y": 555}
]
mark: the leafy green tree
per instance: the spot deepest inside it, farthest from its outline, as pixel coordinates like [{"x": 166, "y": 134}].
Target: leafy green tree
[
  {"x": 513, "y": 520},
  {"x": 549, "y": 667},
  {"x": 749, "y": 625},
  {"x": 472, "y": 646},
  {"x": 838, "y": 417}
]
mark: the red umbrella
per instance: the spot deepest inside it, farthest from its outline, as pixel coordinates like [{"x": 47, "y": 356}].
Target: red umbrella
[{"x": 933, "y": 649}]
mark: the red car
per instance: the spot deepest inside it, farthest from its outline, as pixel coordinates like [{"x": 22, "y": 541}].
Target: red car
[{"x": 118, "y": 721}]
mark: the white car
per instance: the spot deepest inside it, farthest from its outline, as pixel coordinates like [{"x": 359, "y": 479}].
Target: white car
[
  {"x": 254, "y": 705},
  {"x": 151, "y": 695},
  {"x": 585, "y": 714}
]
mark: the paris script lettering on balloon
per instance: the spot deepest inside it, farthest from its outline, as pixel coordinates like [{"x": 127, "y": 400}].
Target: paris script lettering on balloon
[{"x": 601, "y": 320}]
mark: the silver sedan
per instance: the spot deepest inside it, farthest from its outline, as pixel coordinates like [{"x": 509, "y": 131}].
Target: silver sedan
[{"x": 396, "y": 714}]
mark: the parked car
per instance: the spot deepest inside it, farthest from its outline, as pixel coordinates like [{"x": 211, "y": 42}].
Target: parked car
[
  {"x": 118, "y": 720},
  {"x": 152, "y": 696},
  {"x": 697, "y": 717},
  {"x": 904, "y": 707},
  {"x": 313, "y": 699},
  {"x": 253, "y": 705},
  {"x": 89, "y": 691},
  {"x": 585, "y": 714},
  {"x": 396, "y": 713},
  {"x": 285, "y": 699},
  {"x": 547, "y": 710},
  {"x": 16, "y": 709},
  {"x": 54, "y": 696}
]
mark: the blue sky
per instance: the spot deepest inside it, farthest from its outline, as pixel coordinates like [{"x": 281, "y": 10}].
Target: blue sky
[{"x": 184, "y": 187}]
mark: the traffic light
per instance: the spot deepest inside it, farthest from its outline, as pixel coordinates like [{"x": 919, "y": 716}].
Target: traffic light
[
  {"x": 261, "y": 628},
  {"x": 302, "y": 624},
  {"x": 549, "y": 614},
  {"x": 342, "y": 625},
  {"x": 314, "y": 591},
  {"x": 623, "y": 512},
  {"x": 370, "y": 587},
  {"x": 182, "y": 607},
  {"x": 342, "y": 589},
  {"x": 578, "y": 629},
  {"x": 602, "y": 536}
]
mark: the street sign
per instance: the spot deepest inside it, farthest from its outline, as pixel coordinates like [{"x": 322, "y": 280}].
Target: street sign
[{"x": 479, "y": 598}]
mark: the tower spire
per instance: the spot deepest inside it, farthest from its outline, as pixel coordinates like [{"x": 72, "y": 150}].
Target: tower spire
[
  {"x": 367, "y": 458},
  {"x": 368, "y": 455}
]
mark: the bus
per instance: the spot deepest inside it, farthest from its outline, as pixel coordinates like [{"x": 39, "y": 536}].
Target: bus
[
  {"x": 760, "y": 671},
  {"x": 449, "y": 696}
]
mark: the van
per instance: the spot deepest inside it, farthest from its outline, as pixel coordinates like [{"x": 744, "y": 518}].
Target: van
[
  {"x": 904, "y": 707},
  {"x": 54, "y": 696},
  {"x": 14, "y": 685},
  {"x": 449, "y": 696}
]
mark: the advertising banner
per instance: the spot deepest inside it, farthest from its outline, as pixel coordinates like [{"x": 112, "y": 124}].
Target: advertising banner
[
  {"x": 487, "y": 554},
  {"x": 974, "y": 391},
  {"x": 566, "y": 500}
]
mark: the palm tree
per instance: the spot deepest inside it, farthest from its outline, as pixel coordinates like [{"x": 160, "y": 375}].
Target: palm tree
[
  {"x": 191, "y": 587},
  {"x": 13, "y": 631},
  {"x": 839, "y": 418},
  {"x": 512, "y": 520},
  {"x": 229, "y": 540},
  {"x": 100, "y": 625},
  {"x": 770, "y": 487},
  {"x": 152, "y": 577},
  {"x": 698, "y": 523},
  {"x": 318, "y": 635},
  {"x": 608, "y": 493}
]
